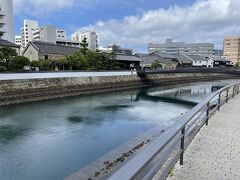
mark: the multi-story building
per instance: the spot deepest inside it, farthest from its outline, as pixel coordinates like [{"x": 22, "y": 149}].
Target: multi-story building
[
  {"x": 92, "y": 39},
  {"x": 18, "y": 40},
  {"x": 117, "y": 49},
  {"x": 49, "y": 34},
  {"x": 27, "y": 31},
  {"x": 6, "y": 20},
  {"x": 232, "y": 48},
  {"x": 45, "y": 33},
  {"x": 33, "y": 32},
  {"x": 61, "y": 35},
  {"x": 181, "y": 48}
]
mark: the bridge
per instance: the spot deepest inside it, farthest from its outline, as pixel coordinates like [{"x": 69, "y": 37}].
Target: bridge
[
  {"x": 204, "y": 142},
  {"x": 168, "y": 98}
]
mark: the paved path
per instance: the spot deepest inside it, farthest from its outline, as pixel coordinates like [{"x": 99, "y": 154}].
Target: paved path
[
  {"x": 62, "y": 74},
  {"x": 214, "y": 154}
]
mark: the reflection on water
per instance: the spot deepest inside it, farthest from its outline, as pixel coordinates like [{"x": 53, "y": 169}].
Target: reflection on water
[{"x": 52, "y": 139}]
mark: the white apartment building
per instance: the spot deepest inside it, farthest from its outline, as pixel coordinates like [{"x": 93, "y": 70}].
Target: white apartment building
[
  {"x": 92, "y": 39},
  {"x": 61, "y": 35},
  {"x": 18, "y": 40},
  {"x": 27, "y": 31},
  {"x": 33, "y": 32},
  {"x": 6, "y": 20},
  {"x": 181, "y": 48},
  {"x": 49, "y": 34}
]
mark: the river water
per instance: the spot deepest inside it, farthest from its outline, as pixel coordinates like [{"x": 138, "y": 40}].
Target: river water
[{"x": 52, "y": 139}]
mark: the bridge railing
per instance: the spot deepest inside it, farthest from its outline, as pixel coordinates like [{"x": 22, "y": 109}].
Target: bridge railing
[{"x": 157, "y": 159}]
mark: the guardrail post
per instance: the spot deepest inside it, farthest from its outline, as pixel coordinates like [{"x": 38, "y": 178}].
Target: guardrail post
[
  {"x": 219, "y": 101},
  {"x": 227, "y": 96},
  {"x": 182, "y": 145},
  {"x": 207, "y": 113},
  {"x": 238, "y": 87},
  {"x": 233, "y": 92}
]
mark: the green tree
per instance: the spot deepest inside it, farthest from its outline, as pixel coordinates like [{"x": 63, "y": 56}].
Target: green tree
[
  {"x": 6, "y": 55},
  {"x": 237, "y": 65},
  {"x": 156, "y": 64},
  {"x": 41, "y": 64},
  {"x": 18, "y": 63},
  {"x": 84, "y": 46}
]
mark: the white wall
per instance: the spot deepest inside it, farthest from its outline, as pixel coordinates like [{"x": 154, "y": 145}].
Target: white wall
[
  {"x": 27, "y": 31},
  {"x": 8, "y": 27},
  {"x": 92, "y": 39},
  {"x": 207, "y": 63}
]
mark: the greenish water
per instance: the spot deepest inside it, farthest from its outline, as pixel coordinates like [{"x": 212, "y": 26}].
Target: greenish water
[{"x": 52, "y": 139}]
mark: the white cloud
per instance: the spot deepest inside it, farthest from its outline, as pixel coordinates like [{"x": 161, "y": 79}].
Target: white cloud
[
  {"x": 41, "y": 7},
  {"x": 203, "y": 21}
]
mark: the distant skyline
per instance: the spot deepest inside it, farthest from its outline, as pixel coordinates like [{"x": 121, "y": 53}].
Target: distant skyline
[{"x": 135, "y": 23}]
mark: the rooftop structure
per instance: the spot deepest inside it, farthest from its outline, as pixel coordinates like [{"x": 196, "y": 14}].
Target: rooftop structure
[{"x": 117, "y": 49}]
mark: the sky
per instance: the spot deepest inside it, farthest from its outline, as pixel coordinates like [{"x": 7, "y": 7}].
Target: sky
[{"x": 135, "y": 23}]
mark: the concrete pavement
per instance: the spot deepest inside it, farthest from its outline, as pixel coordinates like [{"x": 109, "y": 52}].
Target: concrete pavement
[{"x": 214, "y": 154}]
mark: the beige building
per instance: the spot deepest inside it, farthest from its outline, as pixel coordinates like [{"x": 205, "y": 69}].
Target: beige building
[{"x": 232, "y": 48}]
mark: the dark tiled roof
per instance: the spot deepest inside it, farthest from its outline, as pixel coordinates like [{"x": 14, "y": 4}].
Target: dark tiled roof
[
  {"x": 7, "y": 43},
  {"x": 219, "y": 58},
  {"x": 51, "y": 48},
  {"x": 141, "y": 55},
  {"x": 165, "y": 55},
  {"x": 183, "y": 59},
  {"x": 120, "y": 57},
  {"x": 152, "y": 58},
  {"x": 198, "y": 57}
]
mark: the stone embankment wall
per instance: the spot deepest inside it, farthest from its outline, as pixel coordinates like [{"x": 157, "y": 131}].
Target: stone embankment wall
[{"x": 27, "y": 90}]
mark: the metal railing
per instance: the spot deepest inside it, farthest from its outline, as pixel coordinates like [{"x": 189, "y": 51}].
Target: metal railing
[
  {"x": 157, "y": 159},
  {"x": 226, "y": 70}
]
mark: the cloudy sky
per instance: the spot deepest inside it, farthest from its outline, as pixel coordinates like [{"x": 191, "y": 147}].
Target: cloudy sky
[{"x": 135, "y": 23}]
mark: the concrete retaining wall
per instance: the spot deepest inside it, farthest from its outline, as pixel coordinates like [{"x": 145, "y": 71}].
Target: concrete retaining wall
[{"x": 20, "y": 91}]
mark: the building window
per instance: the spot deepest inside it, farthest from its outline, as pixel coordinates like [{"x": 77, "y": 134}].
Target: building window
[{"x": 46, "y": 57}]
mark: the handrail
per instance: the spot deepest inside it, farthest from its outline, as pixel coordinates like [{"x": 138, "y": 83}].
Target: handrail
[{"x": 139, "y": 162}]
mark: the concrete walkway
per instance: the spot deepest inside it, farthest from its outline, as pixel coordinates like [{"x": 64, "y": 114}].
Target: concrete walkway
[{"x": 214, "y": 154}]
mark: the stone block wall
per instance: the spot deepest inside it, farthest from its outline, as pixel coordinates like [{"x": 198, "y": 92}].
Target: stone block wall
[{"x": 20, "y": 91}]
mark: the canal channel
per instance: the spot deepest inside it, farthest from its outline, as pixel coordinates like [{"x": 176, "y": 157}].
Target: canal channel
[{"x": 54, "y": 138}]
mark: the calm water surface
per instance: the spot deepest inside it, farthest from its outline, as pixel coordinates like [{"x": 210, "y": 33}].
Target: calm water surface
[{"x": 52, "y": 139}]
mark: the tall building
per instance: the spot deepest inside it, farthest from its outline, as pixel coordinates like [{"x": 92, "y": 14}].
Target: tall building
[
  {"x": 49, "y": 34},
  {"x": 27, "y": 31},
  {"x": 181, "y": 48},
  {"x": 6, "y": 20},
  {"x": 92, "y": 39},
  {"x": 232, "y": 48},
  {"x": 33, "y": 32},
  {"x": 18, "y": 40},
  {"x": 61, "y": 35}
]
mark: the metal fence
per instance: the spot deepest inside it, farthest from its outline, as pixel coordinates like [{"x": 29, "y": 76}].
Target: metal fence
[
  {"x": 157, "y": 160},
  {"x": 232, "y": 71}
]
